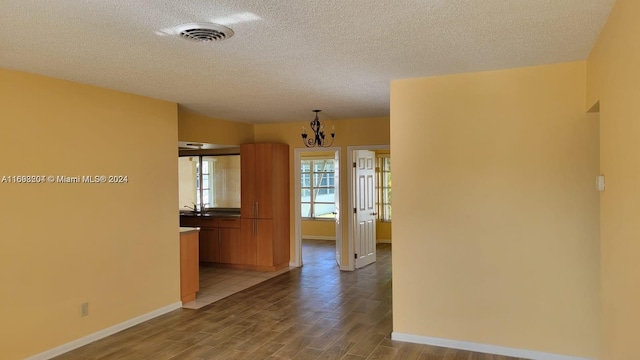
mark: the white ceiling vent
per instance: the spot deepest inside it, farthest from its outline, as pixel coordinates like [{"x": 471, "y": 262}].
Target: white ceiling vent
[{"x": 204, "y": 32}]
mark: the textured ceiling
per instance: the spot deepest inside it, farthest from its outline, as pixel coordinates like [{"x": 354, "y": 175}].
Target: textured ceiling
[{"x": 288, "y": 57}]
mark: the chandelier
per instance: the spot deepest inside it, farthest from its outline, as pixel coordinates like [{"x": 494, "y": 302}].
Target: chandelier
[{"x": 318, "y": 136}]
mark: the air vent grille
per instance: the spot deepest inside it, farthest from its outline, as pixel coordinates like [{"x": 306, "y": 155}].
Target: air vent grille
[{"x": 204, "y": 32}]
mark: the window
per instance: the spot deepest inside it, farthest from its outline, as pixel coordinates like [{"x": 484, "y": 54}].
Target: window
[
  {"x": 206, "y": 167},
  {"x": 209, "y": 181},
  {"x": 384, "y": 187},
  {"x": 318, "y": 188}
]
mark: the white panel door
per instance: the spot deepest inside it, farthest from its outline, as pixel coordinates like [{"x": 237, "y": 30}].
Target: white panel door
[{"x": 365, "y": 207}]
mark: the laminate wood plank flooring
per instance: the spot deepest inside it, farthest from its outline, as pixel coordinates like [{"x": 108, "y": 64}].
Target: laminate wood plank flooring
[
  {"x": 312, "y": 312},
  {"x": 219, "y": 282}
]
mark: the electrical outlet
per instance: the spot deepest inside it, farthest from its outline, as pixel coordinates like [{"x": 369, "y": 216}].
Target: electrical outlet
[{"x": 84, "y": 309}]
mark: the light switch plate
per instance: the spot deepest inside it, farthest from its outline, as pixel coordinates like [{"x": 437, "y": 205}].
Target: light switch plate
[{"x": 600, "y": 183}]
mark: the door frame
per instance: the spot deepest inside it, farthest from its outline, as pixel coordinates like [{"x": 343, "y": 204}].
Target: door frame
[
  {"x": 296, "y": 260},
  {"x": 351, "y": 263}
]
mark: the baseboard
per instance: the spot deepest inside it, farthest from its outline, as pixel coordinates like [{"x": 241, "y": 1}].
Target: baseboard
[
  {"x": 64, "y": 348},
  {"x": 294, "y": 264},
  {"x": 315, "y": 237},
  {"x": 481, "y": 348},
  {"x": 383, "y": 241}
]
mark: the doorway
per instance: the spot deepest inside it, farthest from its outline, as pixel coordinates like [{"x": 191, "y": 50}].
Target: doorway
[
  {"x": 313, "y": 196},
  {"x": 363, "y": 193}
]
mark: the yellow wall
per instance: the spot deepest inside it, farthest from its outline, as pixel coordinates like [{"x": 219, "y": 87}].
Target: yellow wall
[
  {"x": 323, "y": 229},
  {"x": 496, "y": 217},
  {"x": 194, "y": 127},
  {"x": 383, "y": 231},
  {"x": 614, "y": 81},
  {"x": 113, "y": 245},
  {"x": 352, "y": 132}
]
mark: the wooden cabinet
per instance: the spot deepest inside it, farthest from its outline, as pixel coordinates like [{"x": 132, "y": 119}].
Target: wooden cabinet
[
  {"x": 220, "y": 240},
  {"x": 232, "y": 248},
  {"x": 189, "y": 221},
  {"x": 189, "y": 269},
  {"x": 210, "y": 245},
  {"x": 264, "y": 242},
  {"x": 265, "y": 203}
]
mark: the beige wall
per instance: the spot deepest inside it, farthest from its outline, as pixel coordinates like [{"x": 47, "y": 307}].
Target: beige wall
[
  {"x": 614, "y": 81},
  {"x": 193, "y": 127},
  {"x": 368, "y": 131},
  {"x": 113, "y": 245},
  {"x": 496, "y": 217}
]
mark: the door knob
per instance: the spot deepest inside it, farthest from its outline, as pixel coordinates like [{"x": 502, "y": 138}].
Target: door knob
[{"x": 373, "y": 213}]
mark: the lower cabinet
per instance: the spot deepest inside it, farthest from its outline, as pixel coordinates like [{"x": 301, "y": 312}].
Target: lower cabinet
[
  {"x": 220, "y": 241},
  {"x": 271, "y": 245},
  {"x": 210, "y": 245},
  {"x": 235, "y": 248},
  {"x": 264, "y": 242},
  {"x": 189, "y": 275},
  {"x": 248, "y": 243}
]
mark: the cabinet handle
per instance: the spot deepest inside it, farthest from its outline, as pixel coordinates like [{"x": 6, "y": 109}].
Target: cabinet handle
[
  {"x": 255, "y": 209},
  {"x": 255, "y": 227}
]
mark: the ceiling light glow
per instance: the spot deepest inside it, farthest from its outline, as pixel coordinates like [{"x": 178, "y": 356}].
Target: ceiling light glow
[{"x": 236, "y": 18}]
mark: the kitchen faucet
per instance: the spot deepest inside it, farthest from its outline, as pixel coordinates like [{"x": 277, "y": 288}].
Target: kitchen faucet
[{"x": 194, "y": 208}]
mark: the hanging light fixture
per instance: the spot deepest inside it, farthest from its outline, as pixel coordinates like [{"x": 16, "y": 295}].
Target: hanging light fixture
[{"x": 317, "y": 139}]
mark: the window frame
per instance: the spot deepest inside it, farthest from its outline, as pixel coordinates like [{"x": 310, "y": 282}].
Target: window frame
[
  {"x": 211, "y": 180},
  {"x": 381, "y": 186},
  {"x": 313, "y": 189}
]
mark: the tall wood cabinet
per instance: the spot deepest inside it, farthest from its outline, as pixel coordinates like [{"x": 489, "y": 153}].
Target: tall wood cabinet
[{"x": 264, "y": 208}]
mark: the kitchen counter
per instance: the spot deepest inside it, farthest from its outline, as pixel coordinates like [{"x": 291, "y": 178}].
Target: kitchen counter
[
  {"x": 184, "y": 230},
  {"x": 211, "y": 214},
  {"x": 219, "y": 212}
]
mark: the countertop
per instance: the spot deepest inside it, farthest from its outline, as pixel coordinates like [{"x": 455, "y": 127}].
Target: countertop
[
  {"x": 184, "y": 230},
  {"x": 211, "y": 213}
]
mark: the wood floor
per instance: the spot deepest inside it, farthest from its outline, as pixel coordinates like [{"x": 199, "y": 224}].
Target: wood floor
[{"x": 313, "y": 312}]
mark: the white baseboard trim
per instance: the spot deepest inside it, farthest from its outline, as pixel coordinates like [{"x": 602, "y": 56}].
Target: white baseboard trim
[
  {"x": 294, "y": 264},
  {"x": 482, "y": 348},
  {"x": 316, "y": 237},
  {"x": 384, "y": 241},
  {"x": 64, "y": 348}
]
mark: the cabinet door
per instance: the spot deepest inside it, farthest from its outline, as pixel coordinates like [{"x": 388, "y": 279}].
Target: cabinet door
[
  {"x": 229, "y": 243},
  {"x": 209, "y": 245},
  {"x": 245, "y": 250},
  {"x": 226, "y": 247},
  {"x": 264, "y": 242},
  {"x": 264, "y": 181},
  {"x": 188, "y": 221},
  {"x": 248, "y": 180},
  {"x": 189, "y": 276}
]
